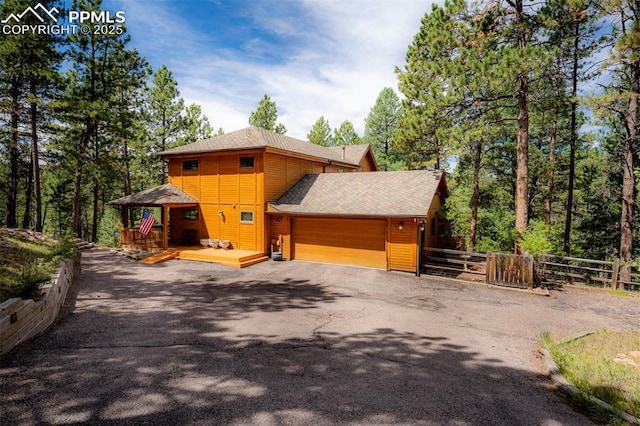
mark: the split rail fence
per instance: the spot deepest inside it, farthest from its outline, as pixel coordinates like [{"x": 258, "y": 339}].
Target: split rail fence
[{"x": 510, "y": 270}]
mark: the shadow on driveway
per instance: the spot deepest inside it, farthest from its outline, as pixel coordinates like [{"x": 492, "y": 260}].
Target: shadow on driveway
[{"x": 139, "y": 348}]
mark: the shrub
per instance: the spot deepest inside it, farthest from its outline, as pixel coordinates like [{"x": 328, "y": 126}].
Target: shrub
[
  {"x": 109, "y": 228},
  {"x": 31, "y": 276}
]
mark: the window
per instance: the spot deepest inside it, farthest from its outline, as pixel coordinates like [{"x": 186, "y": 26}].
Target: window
[
  {"x": 190, "y": 166},
  {"x": 246, "y": 217},
  {"x": 190, "y": 214},
  {"x": 433, "y": 226},
  {"x": 246, "y": 162}
]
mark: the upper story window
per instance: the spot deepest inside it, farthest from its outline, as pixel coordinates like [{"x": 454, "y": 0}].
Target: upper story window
[
  {"x": 246, "y": 216},
  {"x": 246, "y": 162},
  {"x": 190, "y": 165}
]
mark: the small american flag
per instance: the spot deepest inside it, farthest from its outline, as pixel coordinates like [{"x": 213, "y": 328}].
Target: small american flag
[{"x": 146, "y": 223}]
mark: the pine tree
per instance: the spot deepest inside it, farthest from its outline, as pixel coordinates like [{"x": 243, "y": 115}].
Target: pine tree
[
  {"x": 346, "y": 134},
  {"x": 266, "y": 115},
  {"x": 380, "y": 127},
  {"x": 621, "y": 98},
  {"x": 164, "y": 109},
  {"x": 320, "y": 132},
  {"x": 196, "y": 126}
]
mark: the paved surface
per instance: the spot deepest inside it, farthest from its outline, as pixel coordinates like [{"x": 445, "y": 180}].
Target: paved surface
[{"x": 294, "y": 343}]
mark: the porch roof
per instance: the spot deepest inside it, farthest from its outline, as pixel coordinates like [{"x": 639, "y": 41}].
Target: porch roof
[{"x": 167, "y": 194}]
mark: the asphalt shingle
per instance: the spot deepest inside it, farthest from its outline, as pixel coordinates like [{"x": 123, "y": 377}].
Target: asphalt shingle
[
  {"x": 157, "y": 196},
  {"x": 402, "y": 193},
  {"x": 255, "y": 137}
]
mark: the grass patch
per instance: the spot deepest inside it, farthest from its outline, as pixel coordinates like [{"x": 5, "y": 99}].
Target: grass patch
[
  {"x": 26, "y": 264},
  {"x": 604, "y": 364}
]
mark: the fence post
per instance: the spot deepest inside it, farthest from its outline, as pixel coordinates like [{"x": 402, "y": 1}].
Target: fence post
[{"x": 614, "y": 273}]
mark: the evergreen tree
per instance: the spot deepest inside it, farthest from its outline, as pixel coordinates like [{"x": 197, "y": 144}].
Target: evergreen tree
[
  {"x": 621, "y": 99},
  {"x": 101, "y": 65},
  {"x": 320, "y": 133},
  {"x": 380, "y": 127},
  {"x": 196, "y": 126},
  {"x": 266, "y": 115},
  {"x": 164, "y": 109},
  {"x": 345, "y": 134}
]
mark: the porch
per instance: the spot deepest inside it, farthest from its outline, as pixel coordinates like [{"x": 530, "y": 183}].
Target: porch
[{"x": 233, "y": 258}]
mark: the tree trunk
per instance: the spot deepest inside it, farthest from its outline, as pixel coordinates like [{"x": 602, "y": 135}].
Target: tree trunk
[
  {"x": 94, "y": 222},
  {"x": 475, "y": 198},
  {"x": 81, "y": 149},
  {"x": 76, "y": 224},
  {"x": 552, "y": 167},
  {"x": 628, "y": 181},
  {"x": 35, "y": 160},
  {"x": 522, "y": 173},
  {"x": 14, "y": 156},
  {"x": 566, "y": 244},
  {"x": 26, "y": 218}
]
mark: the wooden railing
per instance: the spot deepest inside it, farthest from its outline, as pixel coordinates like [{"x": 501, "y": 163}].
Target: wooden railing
[
  {"x": 599, "y": 273},
  {"x": 523, "y": 272},
  {"x": 446, "y": 261},
  {"x": 131, "y": 238}
]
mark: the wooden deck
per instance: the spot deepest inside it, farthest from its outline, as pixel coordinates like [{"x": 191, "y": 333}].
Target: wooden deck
[{"x": 233, "y": 258}]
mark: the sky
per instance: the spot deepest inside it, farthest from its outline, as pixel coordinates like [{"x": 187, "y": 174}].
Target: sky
[{"x": 313, "y": 58}]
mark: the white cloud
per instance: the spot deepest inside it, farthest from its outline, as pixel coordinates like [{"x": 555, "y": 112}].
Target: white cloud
[{"x": 342, "y": 54}]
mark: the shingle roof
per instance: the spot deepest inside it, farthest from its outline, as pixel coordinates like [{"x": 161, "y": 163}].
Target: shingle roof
[
  {"x": 404, "y": 193},
  {"x": 352, "y": 153},
  {"x": 255, "y": 137},
  {"x": 157, "y": 196}
]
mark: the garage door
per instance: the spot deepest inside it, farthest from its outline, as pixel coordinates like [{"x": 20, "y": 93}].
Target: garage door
[{"x": 347, "y": 241}]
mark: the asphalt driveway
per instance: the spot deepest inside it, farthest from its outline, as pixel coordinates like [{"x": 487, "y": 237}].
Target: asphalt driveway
[{"x": 294, "y": 343}]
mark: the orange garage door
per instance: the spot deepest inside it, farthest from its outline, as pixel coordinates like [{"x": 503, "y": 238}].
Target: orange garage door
[{"x": 347, "y": 241}]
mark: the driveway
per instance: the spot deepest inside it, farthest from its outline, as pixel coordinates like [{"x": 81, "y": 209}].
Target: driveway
[{"x": 294, "y": 343}]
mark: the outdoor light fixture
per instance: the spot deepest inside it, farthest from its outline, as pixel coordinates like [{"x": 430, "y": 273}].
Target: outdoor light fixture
[
  {"x": 423, "y": 223},
  {"x": 401, "y": 225},
  {"x": 220, "y": 212},
  {"x": 279, "y": 219}
]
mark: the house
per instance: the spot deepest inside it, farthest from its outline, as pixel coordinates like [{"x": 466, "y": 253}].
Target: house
[{"x": 264, "y": 192}]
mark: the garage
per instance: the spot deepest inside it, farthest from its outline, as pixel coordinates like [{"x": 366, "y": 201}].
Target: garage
[{"x": 360, "y": 242}]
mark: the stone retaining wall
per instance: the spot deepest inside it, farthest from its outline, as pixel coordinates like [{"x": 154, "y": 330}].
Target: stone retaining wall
[{"x": 21, "y": 320}]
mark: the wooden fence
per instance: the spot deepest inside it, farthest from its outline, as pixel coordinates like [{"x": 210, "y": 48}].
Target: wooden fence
[
  {"x": 445, "y": 262},
  {"x": 598, "y": 273},
  {"x": 524, "y": 272},
  {"x": 510, "y": 270}
]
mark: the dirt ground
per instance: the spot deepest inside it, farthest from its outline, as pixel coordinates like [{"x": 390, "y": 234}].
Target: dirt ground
[{"x": 295, "y": 343}]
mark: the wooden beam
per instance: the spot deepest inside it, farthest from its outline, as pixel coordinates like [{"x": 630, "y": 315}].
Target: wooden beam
[{"x": 165, "y": 227}]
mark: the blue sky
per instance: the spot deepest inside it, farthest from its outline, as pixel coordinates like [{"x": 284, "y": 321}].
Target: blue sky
[{"x": 314, "y": 57}]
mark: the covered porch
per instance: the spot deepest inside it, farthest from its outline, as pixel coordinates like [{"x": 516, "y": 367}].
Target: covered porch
[{"x": 164, "y": 198}]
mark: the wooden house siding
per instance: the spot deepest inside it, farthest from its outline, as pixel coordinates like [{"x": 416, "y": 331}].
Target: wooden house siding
[
  {"x": 280, "y": 235},
  {"x": 431, "y": 235},
  {"x": 221, "y": 185},
  {"x": 281, "y": 173},
  {"x": 367, "y": 164},
  {"x": 402, "y": 244}
]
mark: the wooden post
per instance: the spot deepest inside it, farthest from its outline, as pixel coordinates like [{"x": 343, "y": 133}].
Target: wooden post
[
  {"x": 165, "y": 227},
  {"x": 614, "y": 273}
]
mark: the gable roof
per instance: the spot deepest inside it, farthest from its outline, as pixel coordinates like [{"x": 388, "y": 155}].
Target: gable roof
[
  {"x": 352, "y": 153},
  {"x": 255, "y": 137},
  {"x": 403, "y": 193},
  {"x": 157, "y": 196}
]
